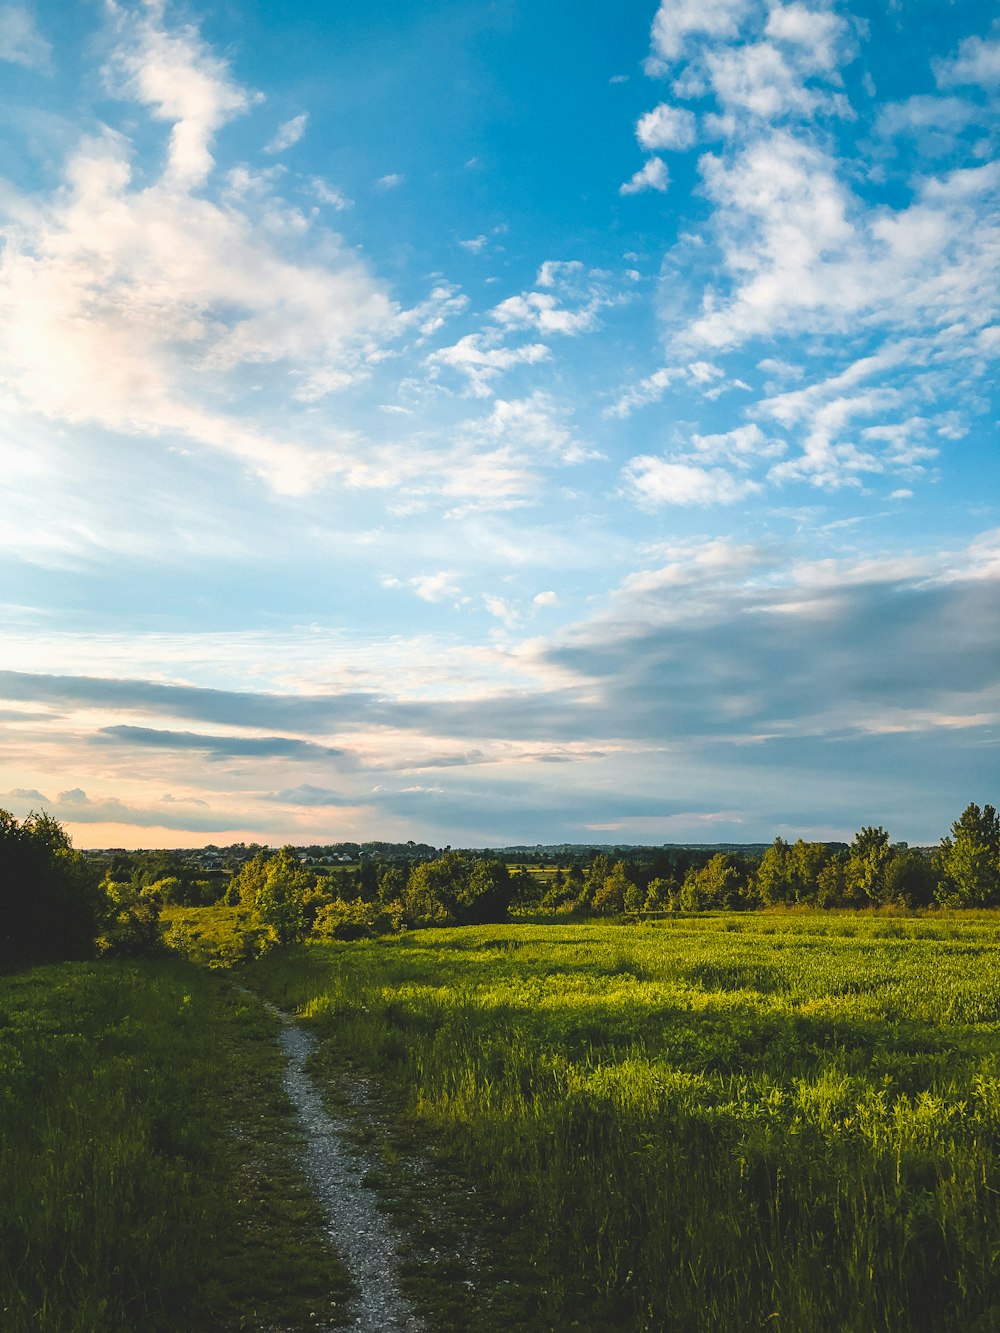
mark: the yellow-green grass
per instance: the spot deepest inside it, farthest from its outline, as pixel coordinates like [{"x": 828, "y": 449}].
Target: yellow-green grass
[
  {"x": 148, "y": 1158},
  {"x": 735, "y": 1122}
]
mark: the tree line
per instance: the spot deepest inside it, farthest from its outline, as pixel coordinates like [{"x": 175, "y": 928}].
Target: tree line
[
  {"x": 457, "y": 888},
  {"x": 56, "y": 903},
  {"x": 292, "y": 902},
  {"x": 872, "y": 871}
]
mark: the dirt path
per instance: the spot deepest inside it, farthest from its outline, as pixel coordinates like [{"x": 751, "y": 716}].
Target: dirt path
[{"x": 362, "y": 1235}]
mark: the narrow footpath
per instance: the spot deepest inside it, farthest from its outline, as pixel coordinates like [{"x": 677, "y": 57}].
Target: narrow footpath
[{"x": 363, "y": 1237}]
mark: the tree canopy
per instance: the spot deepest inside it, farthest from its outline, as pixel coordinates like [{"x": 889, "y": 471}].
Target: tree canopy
[{"x": 51, "y": 904}]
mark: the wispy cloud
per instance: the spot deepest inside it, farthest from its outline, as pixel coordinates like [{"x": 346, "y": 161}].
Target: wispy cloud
[
  {"x": 288, "y": 134},
  {"x": 123, "y": 300},
  {"x": 328, "y": 194},
  {"x": 482, "y": 358},
  {"x": 21, "y": 43},
  {"x": 658, "y": 481}
]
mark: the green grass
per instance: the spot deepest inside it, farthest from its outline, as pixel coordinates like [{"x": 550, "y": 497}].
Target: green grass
[
  {"x": 750, "y": 1121},
  {"x": 147, "y": 1158}
]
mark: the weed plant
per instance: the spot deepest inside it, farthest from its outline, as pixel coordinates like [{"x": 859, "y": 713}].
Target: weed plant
[
  {"x": 773, "y": 1121},
  {"x": 147, "y": 1159}
]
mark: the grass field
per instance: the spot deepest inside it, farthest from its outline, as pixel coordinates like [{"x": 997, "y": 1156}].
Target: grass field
[
  {"x": 741, "y": 1122},
  {"x": 147, "y": 1159}
]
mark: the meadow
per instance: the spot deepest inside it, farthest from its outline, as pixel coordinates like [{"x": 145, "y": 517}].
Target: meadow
[
  {"x": 148, "y": 1158},
  {"x": 769, "y": 1120}
]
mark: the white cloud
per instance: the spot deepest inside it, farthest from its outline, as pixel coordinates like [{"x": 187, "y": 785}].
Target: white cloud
[
  {"x": 666, "y": 127},
  {"x": 476, "y": 245},
  {"x": 390, "y": 182},
  {"x": 288, "y": 134},
  {"x": 554, "y": 270},
  {"x": 977, "y": 62},
  {"x": 741, "y": 446},
  {"x": 20, "y": 41},
  {"x": 653, "y": 176},
  {"x": 569, "y": 302},
  {"x": 501, "y": 609},
  {"x": 816, "y": 34},
  {"x": 493, "y": 462},
  {"x": 140, "y": 305},
  {"x": 481, "y": 359},
  {"x": 917, "y": 115},
  {"x": 542, "y": 599},
  {"x": 824, "y": 412},
  {"x": 534, "y": 425},
  {"x": 443, "y": 304},
  {"x": 649, "y": 390},
  {"x": 758, "y": 79},
  {"x": 805, "y": 255},
  {"x": 677, "y": 20},
  {"x": 655, "y": 482},
  {"x": 541, "y": 311},
  {"x": 328, "y": 194},
  {"x": 703, "y": 372},
  {"x": 438, "y": 587},
  {"x": 698, "y": 374},
  {"x": 181, "y": 80}
]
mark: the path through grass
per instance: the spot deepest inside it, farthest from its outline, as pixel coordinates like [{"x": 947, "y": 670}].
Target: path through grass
[{"x": 148, "y": 1159}]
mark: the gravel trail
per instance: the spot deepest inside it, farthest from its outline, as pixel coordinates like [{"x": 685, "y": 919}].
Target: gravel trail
[{"x": 362, "y": 1235}]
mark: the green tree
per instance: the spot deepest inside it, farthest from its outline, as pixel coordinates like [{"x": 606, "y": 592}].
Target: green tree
[
  {"x": 658, "y": 894},
  {"x": 526, "y": 890},
  {"x": 368, "y": 880},
  {"x": 910, "y": 878},
  {"x": 248, "y": 881},
  {"x": 392, "y": 884},
  {"x": 433, "y": 888},
  {"x": 808, "y": 860},
  {"x": 775, "y": 879},
  {"x": 485, "y": 897},
  {"x": 868, "y": 858},
  {"x": 969, "y": 861},
  {"x": 721, "y": 884},
  {"x": 274, "y": 888},
  {"x": 634, "y": 898},
  {"x": 609, "y": 897},
  {"x": 51, "y": 903},
  {"x": 131, "y": 927},
  {"x": 600, "y": 868},
  {"x": 831, "y": 883}
]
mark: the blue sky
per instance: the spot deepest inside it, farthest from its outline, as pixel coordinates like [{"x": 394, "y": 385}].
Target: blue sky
[{"x": 498, "y": 422}]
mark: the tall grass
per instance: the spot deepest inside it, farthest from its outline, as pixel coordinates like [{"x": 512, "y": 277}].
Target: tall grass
[
  {"x": 135, "y": 1188},
  {"x": 730, "y": 1123}
]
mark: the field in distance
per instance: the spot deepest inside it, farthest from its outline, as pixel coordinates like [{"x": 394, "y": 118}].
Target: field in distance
[{"x": 786, "y": 1121}]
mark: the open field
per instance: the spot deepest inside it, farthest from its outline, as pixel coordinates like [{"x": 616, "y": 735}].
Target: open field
[
  {"x": 148, "y": 1159},
  {"x": 746, "y": 1121}
]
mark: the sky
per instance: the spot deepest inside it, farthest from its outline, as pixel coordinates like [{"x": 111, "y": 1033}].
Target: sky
[{"x": 485, "y": 422}]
